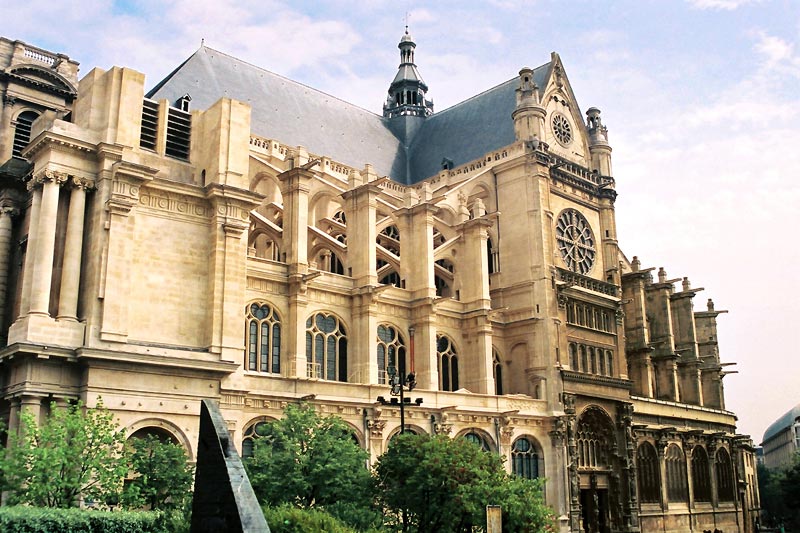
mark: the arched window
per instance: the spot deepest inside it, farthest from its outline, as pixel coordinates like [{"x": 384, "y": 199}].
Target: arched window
[
  {"x": 649, "y": 478},
  {"x": 392, "y": 278},
  {"x": 494, "y": 257},
  {"x": 448, "y": 363},
  {"x": 263, "y": 339},
  {"x": 442, "y": 288},
  {"x": 391, "y": 352},
  {"x": 573, "y": 357},
  {"x": 724, "y": 472},
  {"x": 478, "y": 440},
  {"x": 251, "y": 433},
  {"x": 677, "y": 485},
  {"x": 340, "y": 217},
  {"x": 22, "y": 132},
  {"x": 498, "y": 373},
  {"x": 584, "y": 360},
  {"x": 595, "y": 439},
  {"x": 701, "y": 477},
  {"x": 524, "y": 459},
  {"x": 326, "y": 347}
]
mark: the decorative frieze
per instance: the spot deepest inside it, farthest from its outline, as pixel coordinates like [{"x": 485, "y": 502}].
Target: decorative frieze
[{"x": 181, "y": 204}]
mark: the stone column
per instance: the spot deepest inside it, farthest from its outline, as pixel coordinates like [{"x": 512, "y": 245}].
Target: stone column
[
  {"x": 13, "y": 416},
  {"x": 6, "y": 130},
  {"x": 73, "y": 249},
  {"x": 30, "y": 253},
  {"x": 661, "y": 448},
  {"x": 45, "y": 242},
  {"x": 6, "y": 214},
  {"x": 31, "y": 404}
]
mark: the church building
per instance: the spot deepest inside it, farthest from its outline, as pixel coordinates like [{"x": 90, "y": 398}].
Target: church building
[{"x": 236, "y": 235}]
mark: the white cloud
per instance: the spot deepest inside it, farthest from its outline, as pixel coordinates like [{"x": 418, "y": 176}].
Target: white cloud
[{"x": 720, "y": 4}]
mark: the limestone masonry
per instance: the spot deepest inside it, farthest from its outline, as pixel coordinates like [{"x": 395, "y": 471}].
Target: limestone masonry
[{"x": 235, "y": 235}]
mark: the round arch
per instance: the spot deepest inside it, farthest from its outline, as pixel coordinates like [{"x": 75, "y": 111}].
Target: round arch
[
  {"x": 323, "y": 204},
  {"x": 488, "y": 442},
  {"x": 57, "y": 80},
  {"x": 161, "y": 425},
  {"x": 527, "y": 457},
  {"x": 410, "y": 428}
]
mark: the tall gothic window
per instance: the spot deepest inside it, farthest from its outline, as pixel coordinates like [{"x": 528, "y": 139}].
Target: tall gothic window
[
  {"x": 497, "y": 369},
  {"x": 326, "y": 347},
  {"x": 573, "y": 357},
  {"x": 701, "y": 477},
  {"x": 595, "y": 439},
  {"x": 22, "y": 132},
  {"x": 649, "y": 478},
  {"x": 391, "y": 352},
  {"x": 263, "y": 339},
  {"x": 524, "y": 459},
  {"x": 724, "y": 472},
  {"x": 677, "y": 485},
  {"x": 448, "y": 363}
]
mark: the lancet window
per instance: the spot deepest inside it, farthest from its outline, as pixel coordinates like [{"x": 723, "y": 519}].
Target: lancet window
[
  {"x": 448, "y": 363},
  {"x": 497, "y": 369},
  {"x": 677, "y": 484},
  {"x": 701, "y": 477},
  {"x": 263, "y": 339},
  {"x": 326, "y": 347},
  {"x": 391, "y": 352},
  {"x": 724, "y": 471},
  {"x": 648, "y": 470}
]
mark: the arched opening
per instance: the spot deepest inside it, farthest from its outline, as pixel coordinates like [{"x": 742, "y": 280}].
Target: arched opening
[
  {"x": 497, "y": 369},
  {"x": 326, "y": 347},
  {"x": 391, "y": 352},
  {"x": 724, "y": 471},
  {"x": 649, "y": 478},
  {"x": 263, "y": 339},
  {"x": 22, "y": 131},
  {"x": 524, "y": 458},
  {"x": 448, "y": 363},
  {"x": 677, "y": 484},
  {"x": 701, "y": 477}
]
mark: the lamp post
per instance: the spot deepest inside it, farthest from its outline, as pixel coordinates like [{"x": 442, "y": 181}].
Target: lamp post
[{"x": 400, "y": 381}]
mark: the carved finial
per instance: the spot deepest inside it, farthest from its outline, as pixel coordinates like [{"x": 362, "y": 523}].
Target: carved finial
[
  {"x": 478, "y": 209},
  {"x": 636, "y": 264},
  {"x": 662, "y": 275},
  {"x": 710, "y": 304},
  {"x": 686, "y": 284}
]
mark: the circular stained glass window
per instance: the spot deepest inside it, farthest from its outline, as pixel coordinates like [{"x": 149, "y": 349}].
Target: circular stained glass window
[
  {"x": 575, "y": 241},
  {"x": 561, "y": 129}
]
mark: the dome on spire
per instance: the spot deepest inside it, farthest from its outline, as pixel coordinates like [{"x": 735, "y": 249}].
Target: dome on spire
[{"x": 407, "y": 38}]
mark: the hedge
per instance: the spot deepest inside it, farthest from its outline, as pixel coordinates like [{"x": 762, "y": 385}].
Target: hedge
[
  {"x": 288, "y": 519},
  {"x": 22, "y": 519}
]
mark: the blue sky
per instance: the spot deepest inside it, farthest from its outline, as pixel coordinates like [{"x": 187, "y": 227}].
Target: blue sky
[{"x": 701, "y": 97}]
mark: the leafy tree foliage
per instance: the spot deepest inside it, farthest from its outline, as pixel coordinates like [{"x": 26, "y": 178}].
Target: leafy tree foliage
[
  {"x": 311, "y": 461},
  {"x": 162, "y": 475},
  {"x": 779, "y": 491},
  {"x": 442, "y": 485},
  {"x": 75, "y": 453}
]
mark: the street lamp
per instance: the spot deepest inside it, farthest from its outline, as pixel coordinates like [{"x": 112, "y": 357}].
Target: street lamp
[{"x": 400, "y": 382}]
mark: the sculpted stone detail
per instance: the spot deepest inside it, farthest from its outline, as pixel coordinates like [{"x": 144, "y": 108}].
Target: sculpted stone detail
[
  {"x": 376, "y": 428},
  {"x": 183, "y": 205}
]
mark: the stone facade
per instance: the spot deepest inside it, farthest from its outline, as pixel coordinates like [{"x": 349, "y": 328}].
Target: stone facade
[{"x": 155, "y": 256}]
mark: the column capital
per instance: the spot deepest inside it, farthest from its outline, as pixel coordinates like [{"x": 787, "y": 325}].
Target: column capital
[
  {"x": 8, "y": 210},
  {"x": 9, "y": 100},
  {"x": 84, "y": 184}
]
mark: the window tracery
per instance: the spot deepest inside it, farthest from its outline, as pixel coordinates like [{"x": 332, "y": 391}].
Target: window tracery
[
  {"x": 326, "y": 347},
  {"x": 524, "y": 459},
  {"x": 649, "y": 479},
  {"x": 391, "y": 352},
  {"x": 575, "y": 240},
  {"x": 263, "y": 339},
  {"x": 724, "y": 471},
  {"x": 677, "y": 484},
  {"x": 448, "y": 363},
  {"x": 701, "y": 477}
]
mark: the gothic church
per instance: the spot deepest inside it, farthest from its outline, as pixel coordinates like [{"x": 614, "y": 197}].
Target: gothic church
[{"x": 233, "y": 234}]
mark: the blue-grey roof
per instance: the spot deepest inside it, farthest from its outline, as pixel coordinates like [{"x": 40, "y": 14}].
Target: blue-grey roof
[
  {"x": 782, "y": 423},
  {"x": 297, "y": 115}
]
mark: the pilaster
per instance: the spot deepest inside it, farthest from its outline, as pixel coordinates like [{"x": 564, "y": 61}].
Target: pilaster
[{"x": 227, "y": 273}]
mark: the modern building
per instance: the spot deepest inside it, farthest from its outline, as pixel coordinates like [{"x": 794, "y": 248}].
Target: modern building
[
  {"x": 782, "y": 440},
  {"x": 236, "y": 235}
]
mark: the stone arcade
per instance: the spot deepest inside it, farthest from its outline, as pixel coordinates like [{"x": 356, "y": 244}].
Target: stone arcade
[{"x": 239, "y": 236}]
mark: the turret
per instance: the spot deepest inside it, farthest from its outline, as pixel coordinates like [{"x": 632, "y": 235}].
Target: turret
[
  {"x": 598, "y": 142},
  {"x": 407, "y": 90},
  {"x": 529, "y": 114}
]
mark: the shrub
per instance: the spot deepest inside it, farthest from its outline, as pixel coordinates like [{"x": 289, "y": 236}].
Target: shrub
[
  {"x": 288, "y": 519},
  {"x": 22, "y": 519}
]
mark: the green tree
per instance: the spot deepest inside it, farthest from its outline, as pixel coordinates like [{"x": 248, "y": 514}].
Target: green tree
[
  {"x": 75, "y": 453},
  {"x": 442, "y": 485},
  {"x": 162, "y": 475},
  {"x": 311, "y": 461}
]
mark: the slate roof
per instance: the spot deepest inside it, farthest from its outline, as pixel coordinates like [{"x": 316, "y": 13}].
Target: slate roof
[
  {"x": 780, "y": 425},
  {"x": 295, "y": 114}
]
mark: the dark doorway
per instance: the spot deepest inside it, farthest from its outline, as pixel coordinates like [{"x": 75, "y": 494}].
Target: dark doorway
[{"x": 595, "y": 511}]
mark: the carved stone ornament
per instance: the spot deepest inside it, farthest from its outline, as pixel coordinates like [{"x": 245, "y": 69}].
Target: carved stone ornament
[{"x": 376, "y": 428}]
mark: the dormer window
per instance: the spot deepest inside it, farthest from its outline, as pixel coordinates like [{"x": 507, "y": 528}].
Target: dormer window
[
  {"x": 447, "y": 164},
  {"x": 182, "y": 103}
]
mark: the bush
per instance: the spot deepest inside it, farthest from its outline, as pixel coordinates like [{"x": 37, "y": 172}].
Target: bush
[
  {"x": 288, "y": 519},
  {"x": 21, "y": 519}
]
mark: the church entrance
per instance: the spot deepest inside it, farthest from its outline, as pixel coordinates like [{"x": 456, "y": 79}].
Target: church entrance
[{"x": 595, "y": 515}]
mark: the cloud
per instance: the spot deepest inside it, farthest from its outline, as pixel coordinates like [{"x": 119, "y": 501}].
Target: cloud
[{"x": 727, "y": 5}]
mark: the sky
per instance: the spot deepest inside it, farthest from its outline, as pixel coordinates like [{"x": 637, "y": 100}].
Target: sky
[{"x": 701, "y": 98}]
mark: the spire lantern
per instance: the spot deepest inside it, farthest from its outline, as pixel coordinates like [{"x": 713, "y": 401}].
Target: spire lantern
[{"x": 407, "y": 90}]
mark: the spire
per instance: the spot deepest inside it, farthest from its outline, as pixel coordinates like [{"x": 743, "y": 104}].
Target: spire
[{"x": 407, "y": 90}]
